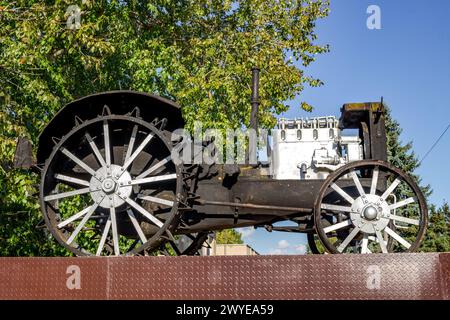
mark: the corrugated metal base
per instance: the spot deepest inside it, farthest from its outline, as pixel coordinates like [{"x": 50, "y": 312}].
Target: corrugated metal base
[{"x": 380, "y": 276}]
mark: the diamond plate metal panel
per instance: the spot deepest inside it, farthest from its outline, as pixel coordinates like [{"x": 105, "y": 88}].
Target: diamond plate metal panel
[
  {"x": 444, "y": 260},
  {"x": 404, "y": 276},
  {"x": 47, "y": 278},
  {"x": 381, "y": 276}
]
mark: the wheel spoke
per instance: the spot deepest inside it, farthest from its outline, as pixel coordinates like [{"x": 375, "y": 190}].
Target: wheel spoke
[
  {"x": 365, "y": 244},
  {"x": 82, "y": 223},
  {"x": 144, "y": 212},
  {"x": 74, "y": 217},
  {"x": 391, "y": 188},
  {"x": 72, "y": 157},
  {"x": 95, "y": 149},
  {"x": 137, "y": 226},
  {"x": 66, "y": 194},
  {"x": 357, "y": 183},
  {"x": 342, "y": 193},
  {"x": 381, "y": 241},
  {"x": 373, "y": 186},
  {"x": 349, "y": 238},
  {"x": 80, "y": 182},
  {"x": 154, "y": 167},
  {"x": 153, "y": 179},
  {"x": 107, "y": 145},
  {"x": 404, "y": 219},
  {"x": 157, "y": 200},
  {"x": 115, "y": 234},
  {"x": 338, "y": 226},
  {"x": 104, "y": 236},
  {"x": 333, "y": 207},
  {"x": 397, "y": 237},
  {"x": 402, "y": 203},
  {"x": 131, "y": 143},
  {"x": 138, "y": 150}
]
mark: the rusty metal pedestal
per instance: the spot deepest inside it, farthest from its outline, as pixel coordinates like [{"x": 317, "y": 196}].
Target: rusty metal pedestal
[{"x": 380, "y": 276}]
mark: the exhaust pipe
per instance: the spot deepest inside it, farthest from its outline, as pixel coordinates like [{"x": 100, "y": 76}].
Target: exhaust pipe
[
  {"x": 253, "y": 114},
  {"x": 255, "y": 99}
]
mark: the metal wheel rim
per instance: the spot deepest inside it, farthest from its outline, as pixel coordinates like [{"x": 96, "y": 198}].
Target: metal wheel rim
[
  {"x": 170, "y": 223},
  {"x": 423, "y": 215}
]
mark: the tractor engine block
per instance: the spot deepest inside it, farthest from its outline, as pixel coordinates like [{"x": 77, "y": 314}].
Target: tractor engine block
[{"x": 312, "y": 148}]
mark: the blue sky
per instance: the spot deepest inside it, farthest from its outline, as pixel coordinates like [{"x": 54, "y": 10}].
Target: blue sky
[{"x": 407, "y": 62}]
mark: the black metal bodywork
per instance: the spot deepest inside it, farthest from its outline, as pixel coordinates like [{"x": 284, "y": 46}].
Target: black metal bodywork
[
  {"x": 223, "y": 198},
  {"x": 369, "y": 118},
  {"x": 251, "y": 197}
]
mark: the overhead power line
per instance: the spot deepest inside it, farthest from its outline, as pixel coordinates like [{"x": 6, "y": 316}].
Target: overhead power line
[{"x": 434, "y": 145}]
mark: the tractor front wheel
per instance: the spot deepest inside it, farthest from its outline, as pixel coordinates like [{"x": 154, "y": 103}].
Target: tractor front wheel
[{"x": 370, "y": 206}]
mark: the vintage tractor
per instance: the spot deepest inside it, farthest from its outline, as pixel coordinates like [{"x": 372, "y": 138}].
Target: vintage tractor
[{"x": 109, "y": 185}]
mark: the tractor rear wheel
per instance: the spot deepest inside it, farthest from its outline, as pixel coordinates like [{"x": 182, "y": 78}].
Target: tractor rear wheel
[{"x": 110, "y": 187}]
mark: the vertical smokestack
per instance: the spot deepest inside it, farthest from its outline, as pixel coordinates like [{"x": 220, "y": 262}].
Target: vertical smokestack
[
  {"x": 252, "y": 145},
  {"x": 255, "y": 99}
]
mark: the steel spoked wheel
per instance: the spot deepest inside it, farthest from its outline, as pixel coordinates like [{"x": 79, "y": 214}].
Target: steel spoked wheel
[
  {"x": 110, "y": 188},
  {"x": 370, "y": 206}
]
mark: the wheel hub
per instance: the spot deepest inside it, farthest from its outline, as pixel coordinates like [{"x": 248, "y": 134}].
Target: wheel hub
[
  {"x": 109, "y": 191},
  {"x": 109, "y": 185},
  {"x": 370, "y": 213}
]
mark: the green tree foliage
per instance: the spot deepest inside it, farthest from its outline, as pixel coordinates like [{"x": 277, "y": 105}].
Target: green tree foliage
[
  {"x": 401, "y": 155},
  {"x": 198, "y": 53},
  {"x": 437, "y": 238},
  {"x": 229, "y": 236}
]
